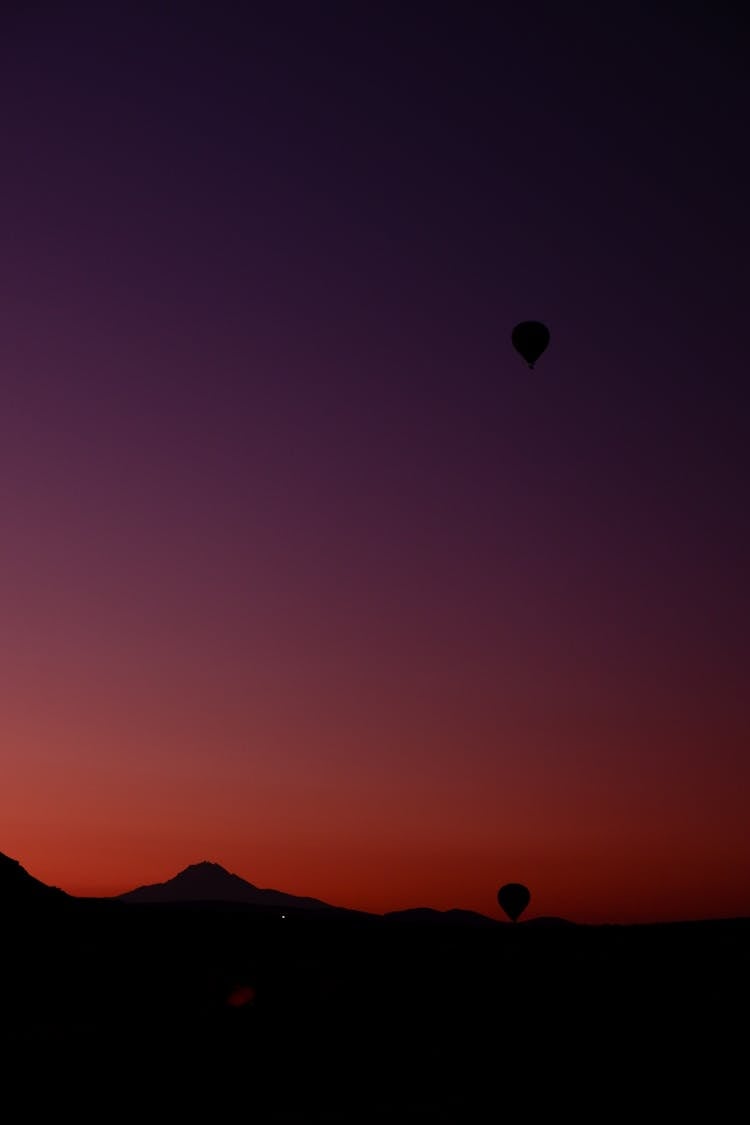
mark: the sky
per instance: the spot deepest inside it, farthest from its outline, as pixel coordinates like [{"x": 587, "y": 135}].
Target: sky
[{"x": 302, "y": 570}]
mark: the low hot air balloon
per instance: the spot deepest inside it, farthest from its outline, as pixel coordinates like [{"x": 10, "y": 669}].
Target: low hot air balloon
[
  {"x": 530, "y": 339},
  {"x": 514, "y": 898}
]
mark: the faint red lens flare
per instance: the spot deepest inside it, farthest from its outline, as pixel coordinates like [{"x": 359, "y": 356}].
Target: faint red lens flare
[{"x": 241, "y": 996}]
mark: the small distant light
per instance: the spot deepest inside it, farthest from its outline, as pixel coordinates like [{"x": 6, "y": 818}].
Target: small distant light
[{"x": 283, "y": 915}]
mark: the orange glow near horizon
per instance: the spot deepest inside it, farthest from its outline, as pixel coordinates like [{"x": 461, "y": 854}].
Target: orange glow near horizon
[
  {"x": 381, "y": 837},
  {"x": 302, "y": 570}
]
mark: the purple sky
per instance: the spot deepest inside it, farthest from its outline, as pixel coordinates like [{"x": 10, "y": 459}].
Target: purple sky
[{"x": 283, "y": 513}]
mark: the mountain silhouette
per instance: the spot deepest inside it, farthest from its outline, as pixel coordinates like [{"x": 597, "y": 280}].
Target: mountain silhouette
[
  {"x": 426, "y": 915},
  {"x": 17, "y": 886},
  {"x": 210, "y": 1000},
  {"x": 210, "y": 882},
  {"x": 546, "y": 920}
]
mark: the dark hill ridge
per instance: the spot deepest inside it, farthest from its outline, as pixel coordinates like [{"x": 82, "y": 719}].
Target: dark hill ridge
[
  {"x": 17, "y": 886},
  {"x": 210, "y": 882},
  {"x": 216, "y": 1005},
  {"x": 428, "y": 916}
]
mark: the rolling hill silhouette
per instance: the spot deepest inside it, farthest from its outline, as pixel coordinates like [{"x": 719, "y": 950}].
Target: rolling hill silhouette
[
  {"x": 18, "y": 886},
  {"x": 210, "y": 882},
  {"x": 428, "y": 916},
  {"x": 335, "y": 1015}
]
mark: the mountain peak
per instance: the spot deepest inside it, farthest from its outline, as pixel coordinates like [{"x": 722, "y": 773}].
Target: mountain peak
[
  {"x": 209, "y": 874},
  {"x": 208, "y": 881},
  {"x": 205, "y": 866}
]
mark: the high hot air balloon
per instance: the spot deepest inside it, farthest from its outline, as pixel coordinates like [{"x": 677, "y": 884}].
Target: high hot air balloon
[
  {"x": 514, "y": 898},
  {"x": 530, "y": 339}
]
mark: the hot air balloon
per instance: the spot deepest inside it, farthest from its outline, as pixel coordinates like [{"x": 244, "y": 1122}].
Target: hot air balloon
[
  {"x": 514, "y": 898},
  {"x": 530, "y": 338}
]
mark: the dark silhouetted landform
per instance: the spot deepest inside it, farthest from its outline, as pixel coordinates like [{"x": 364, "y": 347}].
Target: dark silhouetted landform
[
  {"x": 210, "y": 882},
  {"x": 427, "y": 916},
  {"x": 323, "y": 1016},
  {"x": 18, "y": 886}
]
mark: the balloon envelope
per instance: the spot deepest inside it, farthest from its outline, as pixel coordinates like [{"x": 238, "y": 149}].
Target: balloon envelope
[
  {"x": 530, "y": 339},
  {"x": 514, "y": 898}
]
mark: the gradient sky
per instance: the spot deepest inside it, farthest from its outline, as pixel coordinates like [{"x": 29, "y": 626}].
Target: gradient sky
[{"x": 303, "y": 571}]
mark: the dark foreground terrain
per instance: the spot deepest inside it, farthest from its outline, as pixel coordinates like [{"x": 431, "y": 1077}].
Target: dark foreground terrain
[{"x": 114, "y": 1010}]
